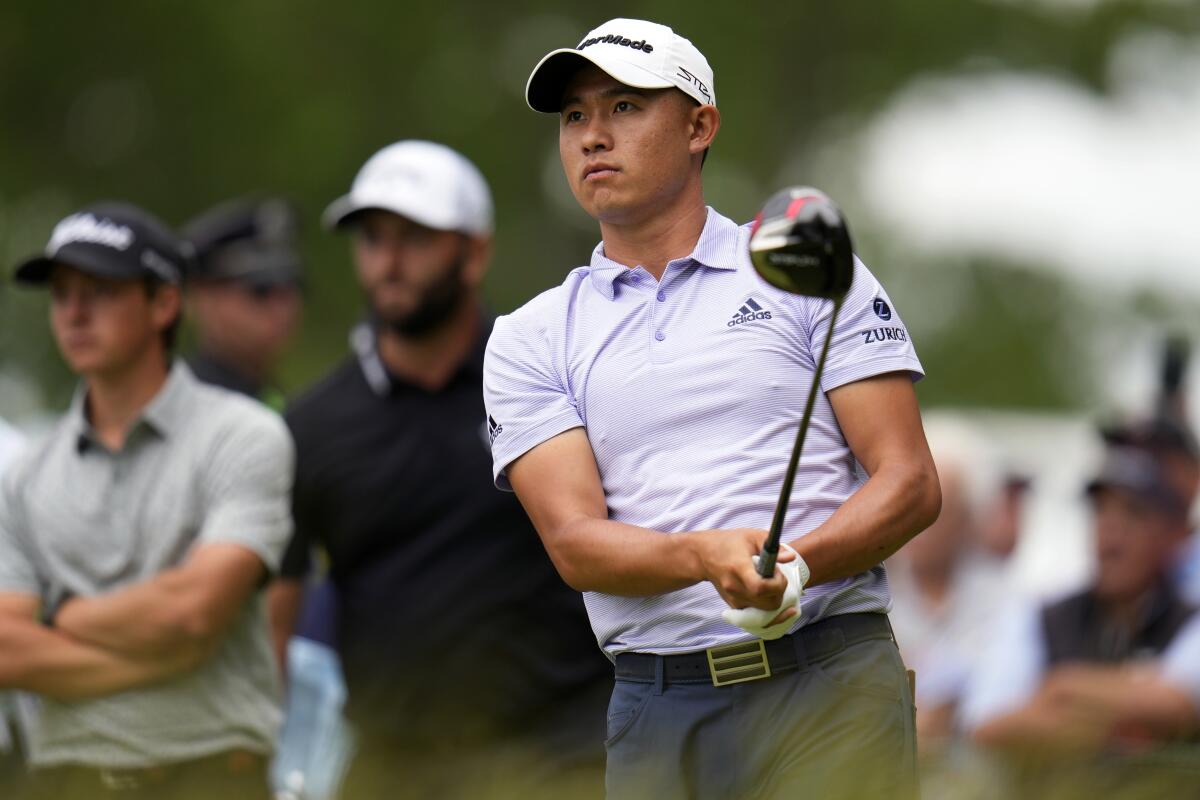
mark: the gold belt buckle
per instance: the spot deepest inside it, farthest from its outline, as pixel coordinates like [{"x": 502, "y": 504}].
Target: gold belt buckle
[{"x": 738, "y": 663}]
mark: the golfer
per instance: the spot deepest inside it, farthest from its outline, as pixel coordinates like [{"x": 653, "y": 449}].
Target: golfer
[{"x": 643, "y": 412}]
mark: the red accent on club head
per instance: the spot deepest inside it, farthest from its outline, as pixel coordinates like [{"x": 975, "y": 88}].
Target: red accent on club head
[
  {"x": 796, "y": 205},
  {"x": 757, "y": 222}
]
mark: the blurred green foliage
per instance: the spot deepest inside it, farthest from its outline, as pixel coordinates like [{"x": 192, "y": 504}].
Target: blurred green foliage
[{"x": 177, "y": 105}]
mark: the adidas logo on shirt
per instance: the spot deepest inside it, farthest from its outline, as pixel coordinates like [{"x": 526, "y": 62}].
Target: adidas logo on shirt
[{"x": 749, "y": 312}]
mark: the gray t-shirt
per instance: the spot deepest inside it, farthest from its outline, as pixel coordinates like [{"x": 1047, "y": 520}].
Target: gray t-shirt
[{"x": 200, "y": 465}]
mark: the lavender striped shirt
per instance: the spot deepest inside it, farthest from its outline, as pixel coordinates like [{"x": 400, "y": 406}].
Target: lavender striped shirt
[{"x": 690, "y": 390}]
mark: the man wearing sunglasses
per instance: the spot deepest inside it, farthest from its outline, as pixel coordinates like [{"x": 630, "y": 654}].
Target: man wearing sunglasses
[{"x": 246, "y": 296}]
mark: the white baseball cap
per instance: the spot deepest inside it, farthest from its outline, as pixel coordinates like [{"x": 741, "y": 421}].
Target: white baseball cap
[
  {"x": 424, "y": 181},
  {"x": 637, "y": 53}
]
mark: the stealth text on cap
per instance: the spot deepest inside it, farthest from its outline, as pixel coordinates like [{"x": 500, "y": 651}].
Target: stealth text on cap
[
  {"x": 617, "y": 39},
  {"x": 86, "y": 228}
]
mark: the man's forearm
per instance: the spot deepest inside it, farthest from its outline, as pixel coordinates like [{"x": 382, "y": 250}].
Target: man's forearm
[
  {"x": 1136, "y": 698},
  {"x": 41, "y": 660},
  {"x": 895, "y": 504},
  {"x": 598, "y": 555},
  {"x": 145, "y": 619}
]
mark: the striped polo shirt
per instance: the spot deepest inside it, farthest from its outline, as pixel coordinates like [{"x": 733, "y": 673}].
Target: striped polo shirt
[
  {"x": 199, "y": 465},
  {"x": 690, "y": 390}
]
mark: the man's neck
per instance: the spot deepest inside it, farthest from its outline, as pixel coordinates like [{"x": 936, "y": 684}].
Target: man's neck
[
  {"x": 248, "y": 371},
  {"x": 114, "y": 400},
  {"x": 432, "y": 360},
  {"x": 660, "y": 238}
]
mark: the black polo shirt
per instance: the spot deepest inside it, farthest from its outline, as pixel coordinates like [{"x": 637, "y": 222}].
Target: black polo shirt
[
  {"x": 210, "y": 369},
  {"x": 452, "y": 620}
]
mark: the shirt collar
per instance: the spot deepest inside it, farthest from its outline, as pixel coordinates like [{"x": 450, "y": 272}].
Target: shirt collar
[
  {"x": 720, "y": 246},
  {"x": 161, "y": 415},
  {"x": 383, "y": 382}
]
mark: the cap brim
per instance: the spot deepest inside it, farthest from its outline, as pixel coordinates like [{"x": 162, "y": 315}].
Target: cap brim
[
  {"x": 341, "y": 212},
  {"x": 36, "y": 271},
  {"x": 544, "y": 89}
]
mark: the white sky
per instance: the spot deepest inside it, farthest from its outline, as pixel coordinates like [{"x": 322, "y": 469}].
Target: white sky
[{"x": 1102, "y": 187}]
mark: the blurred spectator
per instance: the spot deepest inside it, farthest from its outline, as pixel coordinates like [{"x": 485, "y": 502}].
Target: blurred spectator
[
  {"x": 1174, "y": 446},
  {"x": 945, "y": 591},
  {"x": 244, "y": 294},
  {"x": 470, "y": 664},
  {"x": 12, "y": 758},
  {"x": 1000, "y": 528},
  {"x": 10, "y": 443},
  {"x": 139, "y": 532},
  {"x": 1111, "y": 670}
]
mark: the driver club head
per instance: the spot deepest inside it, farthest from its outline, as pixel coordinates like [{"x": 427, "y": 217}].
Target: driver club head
[{"x": 799, "y": 243}]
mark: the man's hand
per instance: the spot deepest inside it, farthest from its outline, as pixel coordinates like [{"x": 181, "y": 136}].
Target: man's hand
[
  {"x": 726, "y": 560},
  {"x": 775, "y": 622}
]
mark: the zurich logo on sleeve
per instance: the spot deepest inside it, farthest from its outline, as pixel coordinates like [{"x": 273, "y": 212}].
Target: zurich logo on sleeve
[{"x": 882, "y": 309}]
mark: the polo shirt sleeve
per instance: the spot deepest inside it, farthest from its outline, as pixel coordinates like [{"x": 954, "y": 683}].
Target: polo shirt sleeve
[
  {"x": 1180, "y": 663},
  {"x": 869, "y": 337},
  {"x": 1010, "y": 671},
  {"x": 17, "y": 569},
  {"x": 248, "y": 487},
  {"x": 526, "y": 400}
]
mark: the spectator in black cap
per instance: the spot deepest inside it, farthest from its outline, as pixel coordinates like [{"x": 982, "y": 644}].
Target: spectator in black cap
[
  {"x": 1173, "y": 445},
  {"x": 245, "y": 294},
  {"x": 140, "y": 532},
  {"x": 1068, "y": 687}
]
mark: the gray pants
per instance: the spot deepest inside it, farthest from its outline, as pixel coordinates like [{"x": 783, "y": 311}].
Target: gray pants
[{"x": 836, "y": 723}]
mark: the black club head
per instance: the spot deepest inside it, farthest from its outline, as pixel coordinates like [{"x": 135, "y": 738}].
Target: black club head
[{"x": 799, "y": 242}]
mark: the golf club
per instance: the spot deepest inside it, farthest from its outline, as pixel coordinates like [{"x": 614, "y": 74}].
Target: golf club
[{"x": 799, "y": 243}]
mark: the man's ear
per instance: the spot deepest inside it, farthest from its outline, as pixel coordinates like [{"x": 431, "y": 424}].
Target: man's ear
[
  {"x": 702, "y": 130},
  {"x": 166, "y": 305},
  {"x": 478, "y": 255}
]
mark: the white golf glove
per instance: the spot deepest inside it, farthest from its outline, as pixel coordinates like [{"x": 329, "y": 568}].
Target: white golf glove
[{"x": 755, "y": 620}]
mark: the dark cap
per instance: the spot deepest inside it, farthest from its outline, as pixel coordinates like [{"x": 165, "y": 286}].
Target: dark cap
[
  {"x": 247, "y": 240},
  {"x": 1136, "y": 470},
  {"x": 1159, "y": 435},
  {"x": 111, "y": 240}
]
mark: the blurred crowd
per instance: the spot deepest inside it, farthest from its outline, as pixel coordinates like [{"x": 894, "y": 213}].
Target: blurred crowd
[
  {"x": 1080, "y": 691},
  {"x": 426, "y": 644}
]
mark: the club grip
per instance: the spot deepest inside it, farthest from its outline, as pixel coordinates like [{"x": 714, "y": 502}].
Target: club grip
[{"x": 766, "y": 561}]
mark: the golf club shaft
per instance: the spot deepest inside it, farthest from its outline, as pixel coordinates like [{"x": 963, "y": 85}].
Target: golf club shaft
[{"x": 770, "y": 550}]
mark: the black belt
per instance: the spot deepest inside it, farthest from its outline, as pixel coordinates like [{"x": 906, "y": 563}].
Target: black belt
[{"x": 757, "y": 659}]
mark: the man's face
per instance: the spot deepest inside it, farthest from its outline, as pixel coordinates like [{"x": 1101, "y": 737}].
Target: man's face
[
  {"x": 249, "y": 324},
  {"x": 414, "y": 277},
  {"x": 625, "y": 151},
  {"x": 1134, "y": 542},
  {"x": 103, "y": 325}
]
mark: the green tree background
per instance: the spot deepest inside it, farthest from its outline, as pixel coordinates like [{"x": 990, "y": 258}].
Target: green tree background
[{"x": 177, "y": 105}]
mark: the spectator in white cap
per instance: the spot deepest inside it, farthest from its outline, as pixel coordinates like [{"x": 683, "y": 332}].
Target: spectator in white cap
[{"x": 468, "y": 662}]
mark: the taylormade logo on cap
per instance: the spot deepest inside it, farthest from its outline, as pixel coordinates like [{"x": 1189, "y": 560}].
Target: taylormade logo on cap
[
  {"x": 617, "y": 39},
  {"x": 86, "y": 228}
]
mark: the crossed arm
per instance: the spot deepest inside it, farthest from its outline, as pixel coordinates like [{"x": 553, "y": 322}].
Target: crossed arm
[
  {"x": 1083, "y": 708},
  {"x": 137, "y": 635},
  {"x": 559, "y": 485}
]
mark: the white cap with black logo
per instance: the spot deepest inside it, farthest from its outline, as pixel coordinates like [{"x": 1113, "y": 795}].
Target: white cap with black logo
[
  {"x": 424, "y": 181},
  {"x": 637, "y": 53}
]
